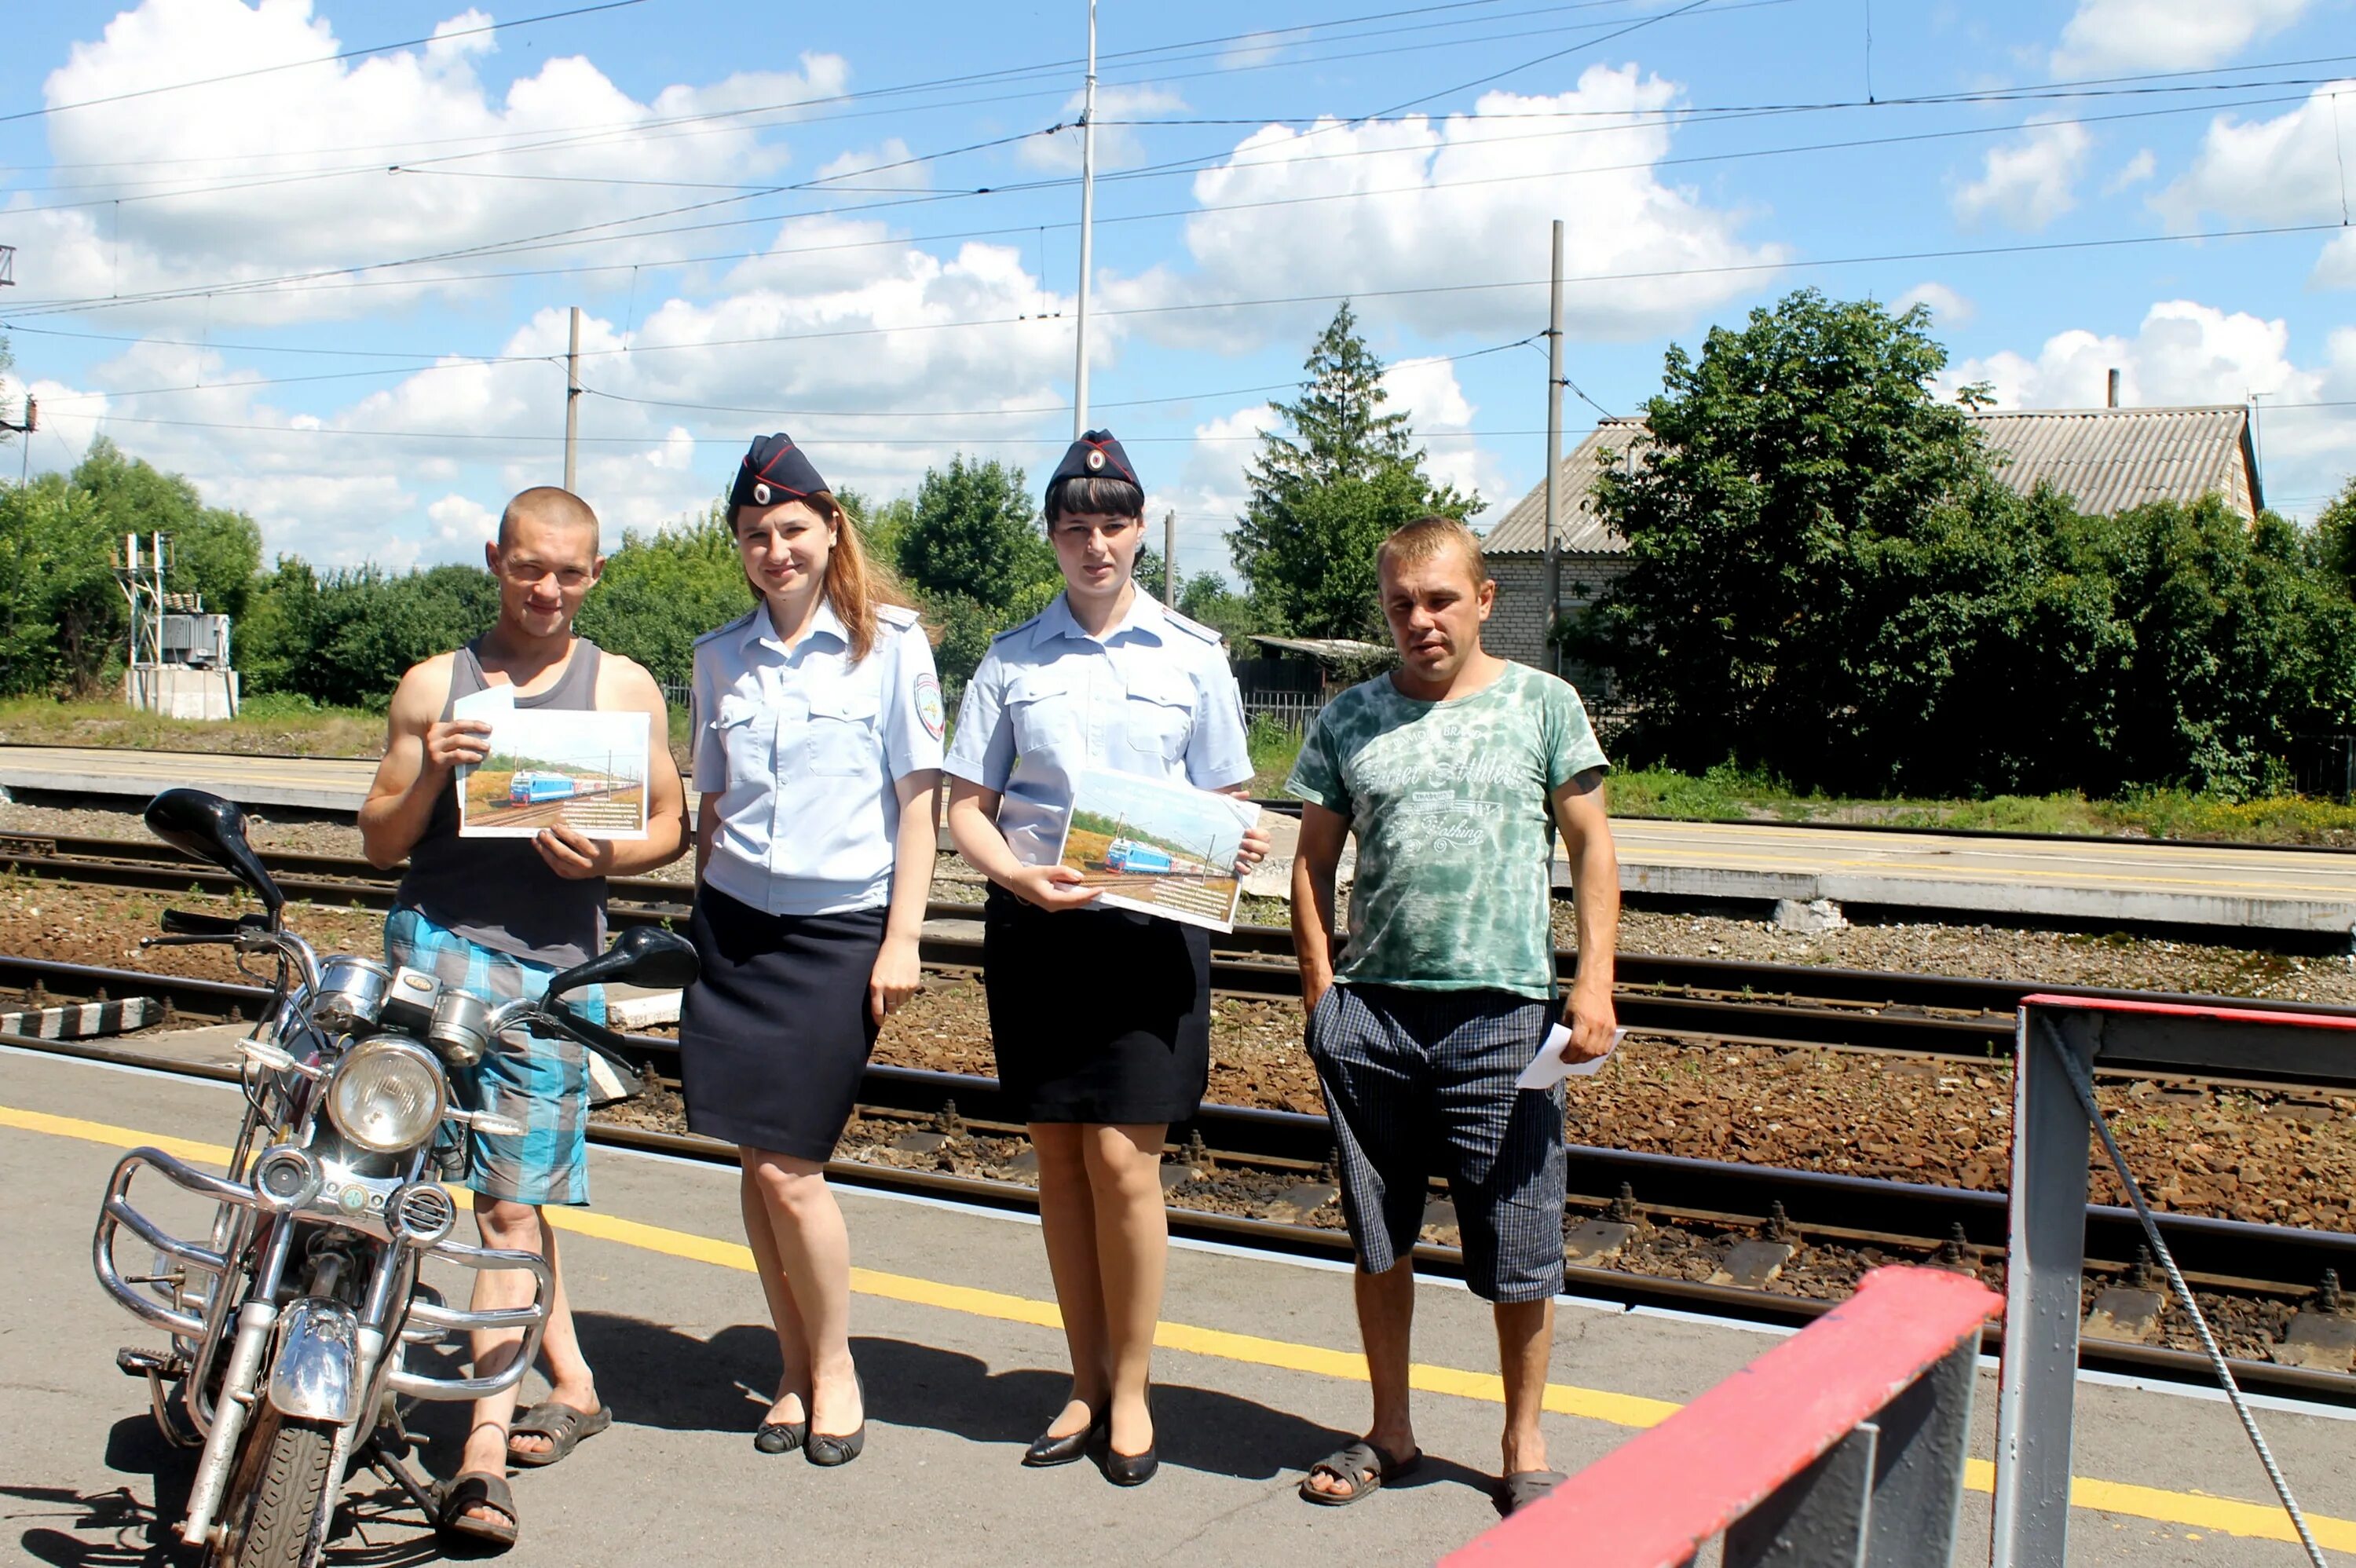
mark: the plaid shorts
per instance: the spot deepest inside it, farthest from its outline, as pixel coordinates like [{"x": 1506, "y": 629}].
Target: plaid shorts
[
  {"x": 540, "y": 1080},
  {"x": 1419, "y": 1083}
]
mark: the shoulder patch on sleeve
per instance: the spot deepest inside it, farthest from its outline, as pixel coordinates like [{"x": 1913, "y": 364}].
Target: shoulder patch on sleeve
[
  {"x": 738, "y": 624},
  {"x": 929, "y": 712}
]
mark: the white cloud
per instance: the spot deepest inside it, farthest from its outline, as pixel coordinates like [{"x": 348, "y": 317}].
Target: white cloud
[
  {"x": 2166, "y": 35},
  {"x": 288, "y": 175},
  {"x": 461, "y": 521},
  {"x": 2283, "y": 170},
  {"x": 1119, "y": 146},
  {"x": 1948, "y": 308},
  {"x": 1427, "y": 391},
  {"x": 891, "y": 167},
  {"x": 2134, "y": 172},
  {"x": 2189, "y": 354},
  {"x": 2336, "y": 268},
  {"x": 2028, "y": 183},
  {"x": 1426, "y": 204}
]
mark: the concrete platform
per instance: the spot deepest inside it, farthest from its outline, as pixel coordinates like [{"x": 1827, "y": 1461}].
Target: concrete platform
[
  {"x": 2311, "y": 892},
  {"x": 954, "y": 1326},
  {"x": 313, "y": 784}
]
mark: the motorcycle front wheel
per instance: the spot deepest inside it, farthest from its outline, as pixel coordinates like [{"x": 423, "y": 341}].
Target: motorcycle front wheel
[{"x": 281, "y": 1485}]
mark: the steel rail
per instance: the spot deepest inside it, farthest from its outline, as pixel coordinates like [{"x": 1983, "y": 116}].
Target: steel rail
[
  {"x": 1739, "y": 1000},
  {"x": 1621, "y": 1287},
  {"x": 2228, "y": 1252}
]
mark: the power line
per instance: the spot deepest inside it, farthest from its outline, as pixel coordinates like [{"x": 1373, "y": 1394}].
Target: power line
[
  {"x": 1646, "y": 274},
  {"x": 323, "y": 59},
  {"x": 341, "y": 277}
]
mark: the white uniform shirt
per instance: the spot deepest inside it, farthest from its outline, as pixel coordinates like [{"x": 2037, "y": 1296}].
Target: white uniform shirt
[
  {"x": 801, "y": 748},
  {"x": 1152, "y": 696}
]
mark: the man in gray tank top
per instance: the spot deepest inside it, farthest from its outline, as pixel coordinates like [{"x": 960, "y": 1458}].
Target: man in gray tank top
[{"x": 500, "y": 917}]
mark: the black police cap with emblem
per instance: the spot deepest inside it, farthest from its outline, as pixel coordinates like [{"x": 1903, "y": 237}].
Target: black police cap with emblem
[
  {"x": 773, "y": 470},
  {"x": 1096, "y": 455}
]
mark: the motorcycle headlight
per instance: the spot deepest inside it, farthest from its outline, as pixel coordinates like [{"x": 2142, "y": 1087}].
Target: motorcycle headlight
[{"x": 386, "y": 1094}]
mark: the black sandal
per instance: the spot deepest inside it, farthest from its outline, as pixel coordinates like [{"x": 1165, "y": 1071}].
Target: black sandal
[
  {"x": 1523, "y": 1488},
  {"x": 473, "y": 1490},
  {"x": 1364, "y": 1466},
  {"x": 829, "y": 1449},
  {"x": 563, "y": 1426}
]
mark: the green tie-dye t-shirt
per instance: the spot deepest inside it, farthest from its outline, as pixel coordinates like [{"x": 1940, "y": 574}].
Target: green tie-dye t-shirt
[{"x": 1449, "y": 802}]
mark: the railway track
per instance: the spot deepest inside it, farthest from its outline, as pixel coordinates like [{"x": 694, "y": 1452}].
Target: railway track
[
  {"x": 1251, "y": 1163},
  {"x": 1722, "y": 999}
]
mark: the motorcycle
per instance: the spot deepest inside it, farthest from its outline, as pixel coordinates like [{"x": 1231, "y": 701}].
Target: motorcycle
[{"x": 294, "y": 1321}]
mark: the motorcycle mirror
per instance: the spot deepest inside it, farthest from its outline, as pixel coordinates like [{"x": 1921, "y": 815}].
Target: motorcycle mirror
[
  {"x": 212, "y": 830},
  {"x": 643, "y": 955}
]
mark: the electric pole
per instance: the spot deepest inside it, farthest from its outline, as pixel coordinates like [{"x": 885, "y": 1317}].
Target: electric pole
[
  {"x": 1088, "y": 229},
  {"x": 573, "y": 400},
  {"x": 1554, "y": 460},
  {"x": 1170, "y": 559}
]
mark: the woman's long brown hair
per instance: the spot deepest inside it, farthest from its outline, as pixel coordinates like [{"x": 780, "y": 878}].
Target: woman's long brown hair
[{"x": 855, "y": 583}]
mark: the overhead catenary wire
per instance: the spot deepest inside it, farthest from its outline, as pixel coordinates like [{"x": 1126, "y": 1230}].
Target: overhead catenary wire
[
  {"x": 1587, "y": 280},
  {"x": 46, "y": 110},
  {"x": 561, "y": 240}
]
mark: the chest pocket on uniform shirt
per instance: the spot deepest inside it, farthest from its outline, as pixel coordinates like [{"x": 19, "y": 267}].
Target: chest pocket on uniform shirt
[
  {"x": 748, "y": 729},
  {"x": 1043, "y": 707},
  {"x": 1160, "y": 715},
  {"x": 842, "y": 730}
]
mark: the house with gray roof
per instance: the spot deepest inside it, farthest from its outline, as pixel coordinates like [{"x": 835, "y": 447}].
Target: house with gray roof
[{"x": 2105, "y": 459}]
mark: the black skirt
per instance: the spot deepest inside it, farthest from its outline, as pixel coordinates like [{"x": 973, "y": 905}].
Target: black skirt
[
  {"x": 1098, "y": 1015},
  {"x": 776, "y": 1030}
]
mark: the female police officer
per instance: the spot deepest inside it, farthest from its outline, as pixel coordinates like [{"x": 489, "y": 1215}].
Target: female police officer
[
  {"x": 1101, "y": 1018},
  {"x": 818, "y": 752}
]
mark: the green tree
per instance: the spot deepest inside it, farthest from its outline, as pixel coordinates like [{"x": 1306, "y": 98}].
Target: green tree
[
  {"x": 972, "y": 531},
  {"x": 1324, "y": 494},
  {"x": 1787, "y": 452},
  {"x": 662, "y": 591},
  {"x": 62, "y": 617},
  {"x": 1205, "y": 597},
  {"x": 214, "y": 552}
]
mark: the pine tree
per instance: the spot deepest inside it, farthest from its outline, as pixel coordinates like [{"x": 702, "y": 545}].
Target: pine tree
[{"x": 1325, "y": 495}]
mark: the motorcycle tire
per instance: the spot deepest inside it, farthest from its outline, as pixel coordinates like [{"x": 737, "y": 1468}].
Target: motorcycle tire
[{"x": 283, "y": 1485}]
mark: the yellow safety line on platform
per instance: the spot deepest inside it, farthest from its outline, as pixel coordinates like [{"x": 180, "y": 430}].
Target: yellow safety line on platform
[{"x": 2224, "y": 1515}]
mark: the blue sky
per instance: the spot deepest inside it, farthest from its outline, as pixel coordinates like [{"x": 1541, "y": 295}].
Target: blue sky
[{"x": 335, "y": 294}]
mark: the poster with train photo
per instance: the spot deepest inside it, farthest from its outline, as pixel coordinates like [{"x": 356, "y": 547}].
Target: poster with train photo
[
  {"x": 584, "y": 770},
  {"x": 1165, "y": 849}
]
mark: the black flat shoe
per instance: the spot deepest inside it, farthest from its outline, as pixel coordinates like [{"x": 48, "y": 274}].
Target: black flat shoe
[
  {"x": 1045, "y": 1451},
  {"x": 825, "y": 1448},
  {"x": 781, "y": 1436},
  {"x": 1130, "y": 1469}
]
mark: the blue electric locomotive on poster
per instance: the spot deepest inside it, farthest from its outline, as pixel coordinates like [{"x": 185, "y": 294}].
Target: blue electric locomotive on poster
[
  {"x": 1126, "y": 854},
  {"x": 531, "y": 789}
]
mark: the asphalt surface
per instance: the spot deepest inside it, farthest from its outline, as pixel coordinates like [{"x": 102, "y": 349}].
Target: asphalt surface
[{"x": 954, "y": 1335}]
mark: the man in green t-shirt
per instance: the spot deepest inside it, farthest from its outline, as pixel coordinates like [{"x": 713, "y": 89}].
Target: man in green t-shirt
[{"x": 1450, "y": 772}]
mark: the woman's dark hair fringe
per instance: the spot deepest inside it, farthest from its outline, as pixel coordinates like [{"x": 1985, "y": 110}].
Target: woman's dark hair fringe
[{"x": 1093, "y": 492}]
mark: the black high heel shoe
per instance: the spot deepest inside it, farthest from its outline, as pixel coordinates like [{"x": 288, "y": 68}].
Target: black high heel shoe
[
  {"x": 829, "y": 1449},
  {"x": 1045, "y": 1451}
]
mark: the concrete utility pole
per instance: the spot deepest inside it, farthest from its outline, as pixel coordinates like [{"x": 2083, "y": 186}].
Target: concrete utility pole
[
  {"x": 573, "y": 400},
  {"x": 1088, "y": 229},
  {"x": 1170, "y": 558},
  {"x": 1554, "y": 458},
  {"x": 32, "y": 423}
]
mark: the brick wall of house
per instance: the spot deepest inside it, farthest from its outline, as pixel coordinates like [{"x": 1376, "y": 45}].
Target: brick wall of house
[{"x": 1517, "y": 625}]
